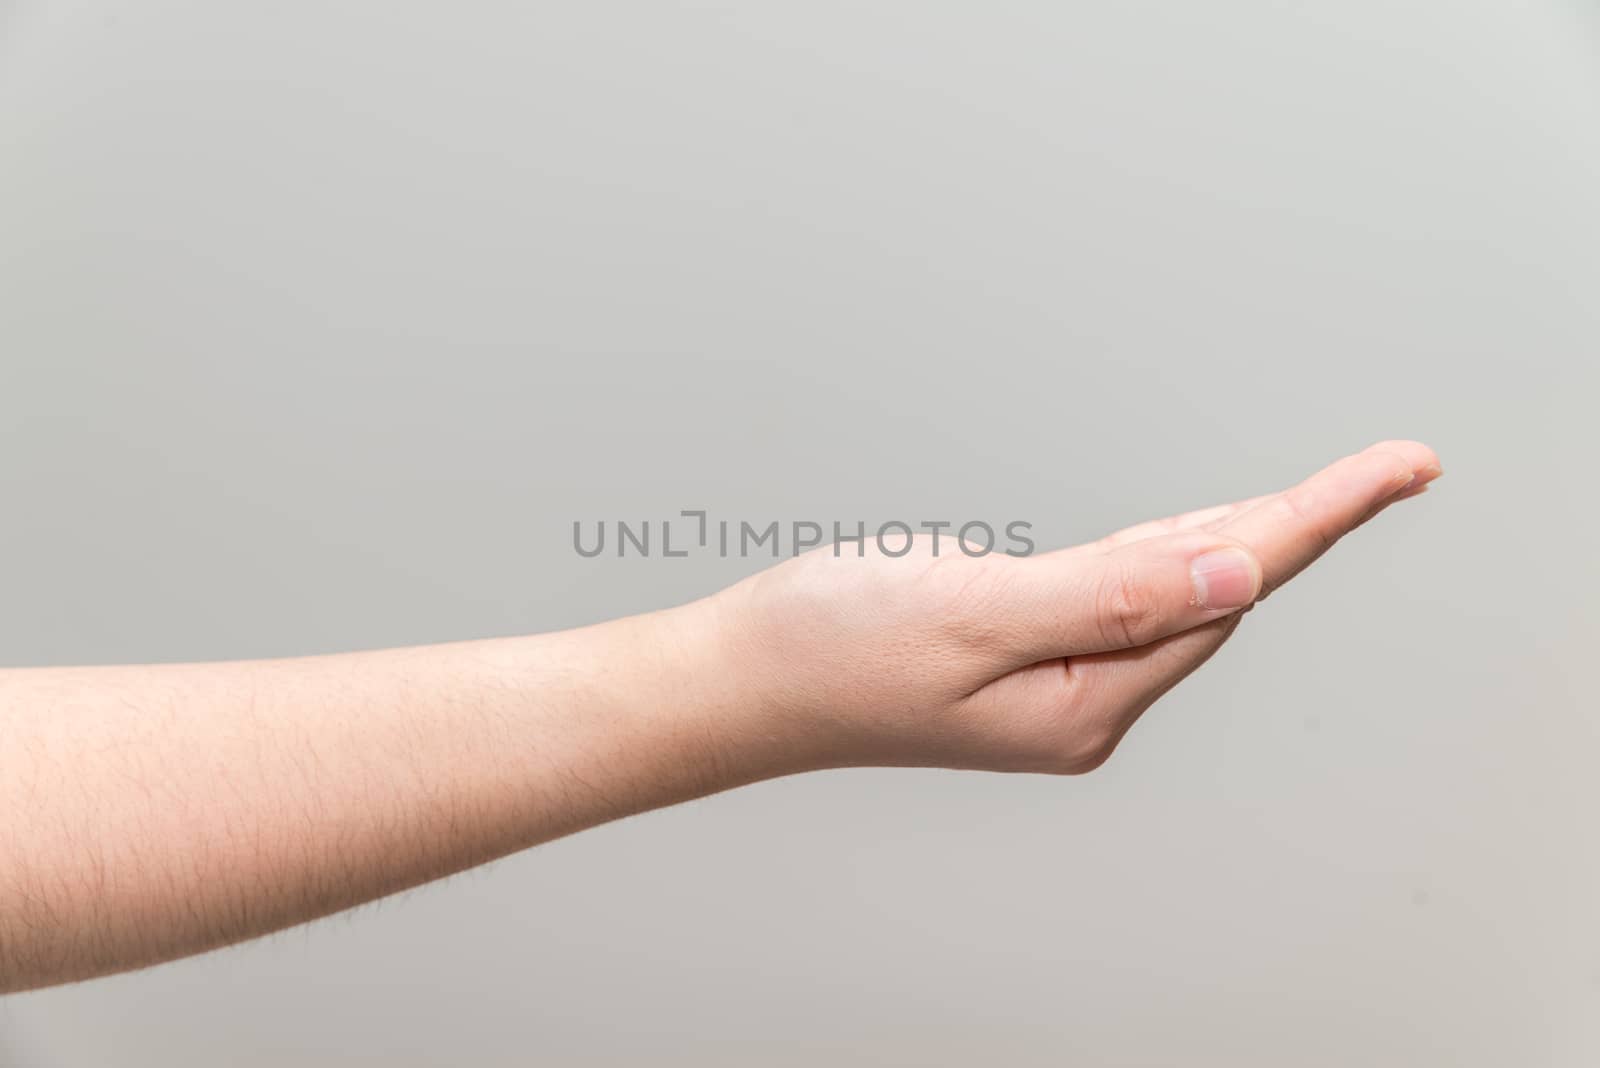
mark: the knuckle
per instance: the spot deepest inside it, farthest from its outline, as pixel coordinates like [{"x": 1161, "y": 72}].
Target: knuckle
[
  {"x": 1127, "y": 609},
  {"x": 1298, "y": 507}
]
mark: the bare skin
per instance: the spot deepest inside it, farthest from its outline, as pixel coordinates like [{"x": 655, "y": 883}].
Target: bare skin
[{"x": 150, "y": 812}]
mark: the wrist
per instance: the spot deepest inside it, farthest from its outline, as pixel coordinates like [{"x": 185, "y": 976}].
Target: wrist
[{"x": 730, "y": 687}]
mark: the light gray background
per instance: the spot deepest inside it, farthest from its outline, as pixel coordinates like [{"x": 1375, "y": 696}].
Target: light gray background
[{"x": 320, "y": 323}]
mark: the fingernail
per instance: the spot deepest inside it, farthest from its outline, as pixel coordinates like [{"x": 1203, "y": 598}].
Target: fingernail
[{"x": 1224, "y": 578}]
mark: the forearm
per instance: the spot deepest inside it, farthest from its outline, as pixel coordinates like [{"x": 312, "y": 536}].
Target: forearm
[{"x": 153, "y": 811}]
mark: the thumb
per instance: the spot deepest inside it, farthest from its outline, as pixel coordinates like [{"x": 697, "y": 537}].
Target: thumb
[{"x": 1070, "y": 603}]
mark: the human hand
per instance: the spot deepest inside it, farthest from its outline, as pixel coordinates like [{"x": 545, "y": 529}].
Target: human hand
[
  {"x": 293, "y": 788},
  {"x": 1035, "y": 663}
]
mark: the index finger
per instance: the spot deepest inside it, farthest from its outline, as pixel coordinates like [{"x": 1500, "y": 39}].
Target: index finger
[{"x": 1290, "y": 530}]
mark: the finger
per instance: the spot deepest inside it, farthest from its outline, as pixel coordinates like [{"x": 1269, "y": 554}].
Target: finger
[
  {"x": 1290, "y": 530},
  {"x": 1199, "y": 519},
  {"x": 1074, "y": 602},
  {"x": 1068, "y": 604},
  {"x": 1425, "y": 469},
  {"x": 1110, "y": 691},
  {"x": 1421, "y": 480},
  {"x": 1404, "y": 495}
]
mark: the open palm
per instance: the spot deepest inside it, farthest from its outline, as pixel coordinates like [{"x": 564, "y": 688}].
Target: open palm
[{"x": 1039, "y": 663}]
